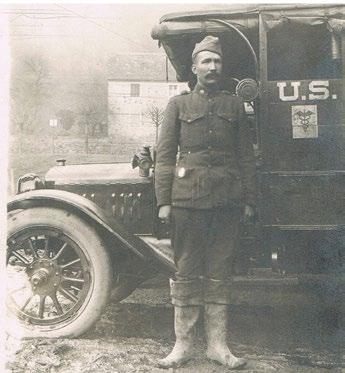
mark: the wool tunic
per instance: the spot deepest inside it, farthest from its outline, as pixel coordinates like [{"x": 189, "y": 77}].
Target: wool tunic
[{"x": 205, "y": 154}]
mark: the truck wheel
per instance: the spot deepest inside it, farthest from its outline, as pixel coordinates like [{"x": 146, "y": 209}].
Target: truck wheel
[{"x": 58, "y": 274}]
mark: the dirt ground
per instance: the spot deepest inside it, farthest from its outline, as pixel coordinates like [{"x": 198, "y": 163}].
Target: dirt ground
[{"x": 132, "y": 335}]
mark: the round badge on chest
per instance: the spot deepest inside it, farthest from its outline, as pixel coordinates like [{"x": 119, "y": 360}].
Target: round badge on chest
[{"x": 181, "y": 172}]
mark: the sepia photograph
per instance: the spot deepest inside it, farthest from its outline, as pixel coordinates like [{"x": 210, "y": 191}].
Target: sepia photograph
[{"x": 175, "y": 187}]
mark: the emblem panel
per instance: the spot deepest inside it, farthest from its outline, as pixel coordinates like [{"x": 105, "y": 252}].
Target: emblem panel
[{"x": 304, "y": 121}]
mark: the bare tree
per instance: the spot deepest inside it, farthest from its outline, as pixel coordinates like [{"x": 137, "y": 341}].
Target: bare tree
[
  {"x": 90, "y": 97},
  {"x": 156, "y": 114},
  {"x": 29, "y": 92},
  {"x": 66, "y": 118}
]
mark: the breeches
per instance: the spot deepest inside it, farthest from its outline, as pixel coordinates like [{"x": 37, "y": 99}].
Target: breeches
[{"x": 203, "y": 241}]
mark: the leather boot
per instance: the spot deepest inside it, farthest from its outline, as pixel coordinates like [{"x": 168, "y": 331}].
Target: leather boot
[
  {"x": 185, "y": 320},
  {"x": 215, "y": 321}
]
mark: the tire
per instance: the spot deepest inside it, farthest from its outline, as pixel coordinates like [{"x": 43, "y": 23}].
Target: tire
[{"x": 59, "y": 274}]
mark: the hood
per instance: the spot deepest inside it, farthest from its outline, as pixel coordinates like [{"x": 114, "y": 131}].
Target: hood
[{"x": 112, "y": 173}]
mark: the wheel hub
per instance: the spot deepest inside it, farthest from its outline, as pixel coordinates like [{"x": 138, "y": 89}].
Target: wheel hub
[
  {"x": 52, "y": 282},
  {"x": 44, "y": 276},
  {"x": 39, "y": 277}
]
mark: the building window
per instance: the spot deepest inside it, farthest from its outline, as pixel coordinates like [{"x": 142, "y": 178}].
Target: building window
[
  {"x": 172, "y": 90},
  {"x": 135, "y": 90}
]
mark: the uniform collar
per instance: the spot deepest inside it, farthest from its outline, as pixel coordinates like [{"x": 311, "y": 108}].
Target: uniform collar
[{"x": 203, "y": 91}]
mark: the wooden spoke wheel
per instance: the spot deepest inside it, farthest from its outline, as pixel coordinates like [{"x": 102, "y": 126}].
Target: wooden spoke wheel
[{"x": 58, "y": 274}]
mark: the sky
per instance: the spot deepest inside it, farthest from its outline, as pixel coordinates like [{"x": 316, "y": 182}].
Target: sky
[
  {"x": 66, "y": 30},
  {"x": 77, "y": 39}
]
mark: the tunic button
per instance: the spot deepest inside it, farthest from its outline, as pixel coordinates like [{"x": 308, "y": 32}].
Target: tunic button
[
  {"x": 188, "y": 120},
  {"x": 210, "y": 131}
]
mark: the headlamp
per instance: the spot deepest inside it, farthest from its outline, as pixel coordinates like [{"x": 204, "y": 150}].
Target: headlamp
[
  {"x": 247, "y": 89},
  {"x": 28, "y": 182}
]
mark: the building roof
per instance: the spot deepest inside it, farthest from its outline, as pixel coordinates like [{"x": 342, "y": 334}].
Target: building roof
[{"x": 140, "y": 66}]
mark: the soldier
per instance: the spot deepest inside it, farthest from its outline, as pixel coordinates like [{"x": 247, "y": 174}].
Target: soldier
[{"x": 204, "y": 178}]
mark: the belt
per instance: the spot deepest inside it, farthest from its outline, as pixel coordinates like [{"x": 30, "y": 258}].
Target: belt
[{"x": 197, "y": 150}]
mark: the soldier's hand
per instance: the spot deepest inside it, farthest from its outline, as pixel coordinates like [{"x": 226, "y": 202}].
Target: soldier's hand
[
  {"x": 164, "y": 213},
  {"x": 248, "y": 213}
]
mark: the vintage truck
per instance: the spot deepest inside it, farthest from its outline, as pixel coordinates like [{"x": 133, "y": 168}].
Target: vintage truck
[{"x": 83, "y": 231}]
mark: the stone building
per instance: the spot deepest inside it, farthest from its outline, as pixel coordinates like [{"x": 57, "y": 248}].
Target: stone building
[{"x": 139, "y": 87}]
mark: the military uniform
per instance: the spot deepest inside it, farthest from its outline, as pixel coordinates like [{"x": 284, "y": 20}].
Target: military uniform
[
  {"x": 214, "y": 173},
  {"x": 205, "y": 170}
]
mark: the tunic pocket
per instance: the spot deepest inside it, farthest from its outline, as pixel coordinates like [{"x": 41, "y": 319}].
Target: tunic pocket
[
  {"x": 234, "y": 182},
  {"x": 192, "y": 129},
  {"x": 226, "y": 129},
  {"x": 182, "y": 184},
  {"x": 190, "y": 118},
  {"x": 227, "y": 117}
]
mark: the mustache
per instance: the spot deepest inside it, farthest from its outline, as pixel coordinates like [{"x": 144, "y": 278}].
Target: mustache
[{"x": 212, "y": 75}]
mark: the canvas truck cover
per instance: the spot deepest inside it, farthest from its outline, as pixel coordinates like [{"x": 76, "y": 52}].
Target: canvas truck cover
[{"x": 178, "y": 32}]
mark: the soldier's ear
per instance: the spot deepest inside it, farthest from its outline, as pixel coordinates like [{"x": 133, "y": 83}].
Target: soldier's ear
[{"x": 194, "y": 69}]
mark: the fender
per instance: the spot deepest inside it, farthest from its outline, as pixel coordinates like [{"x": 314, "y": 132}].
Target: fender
[{"x": 92, "y": 213}]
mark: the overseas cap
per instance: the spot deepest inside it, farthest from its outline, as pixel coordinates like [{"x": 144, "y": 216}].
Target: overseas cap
[{"x": 209, "y": 43}]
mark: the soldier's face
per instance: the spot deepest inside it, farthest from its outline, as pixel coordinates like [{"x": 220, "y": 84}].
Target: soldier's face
[{"x": 207, "y": 67}]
